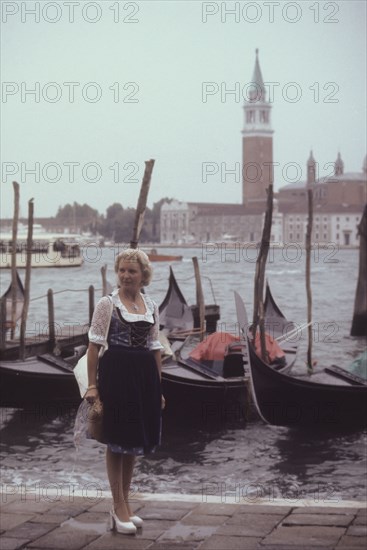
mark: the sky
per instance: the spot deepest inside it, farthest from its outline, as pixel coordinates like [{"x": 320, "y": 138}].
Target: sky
[{"x": 90, "y": 90}]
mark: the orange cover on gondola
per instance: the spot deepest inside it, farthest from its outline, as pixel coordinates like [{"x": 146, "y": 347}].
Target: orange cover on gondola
[{"x": 213, "y": 347}]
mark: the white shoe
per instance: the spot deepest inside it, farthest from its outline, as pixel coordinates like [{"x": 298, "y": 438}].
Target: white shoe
[
  {"x": 124, "y": 527},
  {"x": 138, "y": 522}
]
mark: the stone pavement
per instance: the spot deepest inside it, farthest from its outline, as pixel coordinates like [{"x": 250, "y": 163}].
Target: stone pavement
[{"x": 76, "y": 522}]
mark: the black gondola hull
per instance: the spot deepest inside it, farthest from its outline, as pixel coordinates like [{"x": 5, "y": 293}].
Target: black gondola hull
[
  {"x": 33, "y": 381},
  {"x": 283, "y": 400},
  {"x": 206, "y": 401}
]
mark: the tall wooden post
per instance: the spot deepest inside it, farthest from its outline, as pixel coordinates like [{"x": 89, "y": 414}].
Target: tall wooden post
[
  {"x": 258, "y": 314},
  {"x": 104, "y": 279},
  {"x": 142, "y": 202},
  {"x": 308, "y": 278},
  {"x": 27, "y": 282},
  {"x": 359, "y": 324},
  {"x": 199, "y": 297},
  {"x": 91, "y": 303},
  {"x": 3, "y": 323},
  {"x": 51, "y": 317},
  {"x": 14, "y": 258}
]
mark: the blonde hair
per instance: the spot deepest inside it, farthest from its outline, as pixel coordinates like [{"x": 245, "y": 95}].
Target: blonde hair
[{"x": 136, "y": 255}]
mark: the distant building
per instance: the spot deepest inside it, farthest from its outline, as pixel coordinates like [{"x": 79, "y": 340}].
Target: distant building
[
  {"x": 338, "y": 205},
  {"x": 338, "y": 199}
]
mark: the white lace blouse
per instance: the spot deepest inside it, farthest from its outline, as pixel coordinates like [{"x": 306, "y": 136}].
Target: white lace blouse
[{"x": 101, "y": 316}]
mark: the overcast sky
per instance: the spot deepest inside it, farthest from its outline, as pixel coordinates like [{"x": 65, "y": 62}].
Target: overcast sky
[{"x": 152, "y": 80}]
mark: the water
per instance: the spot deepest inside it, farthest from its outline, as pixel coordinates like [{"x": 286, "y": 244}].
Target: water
[{"x": 232, "y": 461}]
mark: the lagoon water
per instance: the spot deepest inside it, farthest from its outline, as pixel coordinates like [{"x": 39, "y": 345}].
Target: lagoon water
[{"x": 232, "y": 460}]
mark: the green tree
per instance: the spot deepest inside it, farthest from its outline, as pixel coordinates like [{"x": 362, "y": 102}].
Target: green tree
[{"x": 77, "y": 217}]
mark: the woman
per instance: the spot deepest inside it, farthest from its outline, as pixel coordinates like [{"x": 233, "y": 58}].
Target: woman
[{"x": 128, "y": 381}]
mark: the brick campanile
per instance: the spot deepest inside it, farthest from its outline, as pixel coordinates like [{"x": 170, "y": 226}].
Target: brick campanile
[{"x": 257, "y": 142}]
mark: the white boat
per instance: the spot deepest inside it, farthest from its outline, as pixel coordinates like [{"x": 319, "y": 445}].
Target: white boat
[{"x": 48, "y": 250}]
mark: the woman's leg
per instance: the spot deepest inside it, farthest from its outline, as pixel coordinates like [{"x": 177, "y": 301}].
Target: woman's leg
[
  {"x": 114, "y": 464},
  {"x": 128, "y": 462}
]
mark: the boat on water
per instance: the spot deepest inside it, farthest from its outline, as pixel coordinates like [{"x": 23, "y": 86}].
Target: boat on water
[
  {"x": 155, "y": 257},
  {"x": 45, "y": 375},
  {"x": 330, "y": 399},
  {"x": 40, "y": 379},
  {"x": 208, "y": 389},
  {"x": 48, "y": 250}
]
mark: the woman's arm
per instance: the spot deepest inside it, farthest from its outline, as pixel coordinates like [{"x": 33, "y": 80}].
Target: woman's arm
[
  {"x": 92, "y": 360},
  {"x": 93, "y": 350},
  {"x": 97, "y": 338}
]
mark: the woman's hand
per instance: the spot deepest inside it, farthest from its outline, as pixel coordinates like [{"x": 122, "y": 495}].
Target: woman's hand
[
  {"x": 163, "y": 403},
  {"x": 91, "y": 395}
]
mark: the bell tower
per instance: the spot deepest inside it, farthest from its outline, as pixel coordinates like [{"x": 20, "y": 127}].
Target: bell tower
[
  {"x": 257, "y": 142},
  {"x": 311, "y": 170}
]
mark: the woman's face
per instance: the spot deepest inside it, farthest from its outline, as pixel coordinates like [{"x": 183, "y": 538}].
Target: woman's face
[{"x": 130, "y": 275}]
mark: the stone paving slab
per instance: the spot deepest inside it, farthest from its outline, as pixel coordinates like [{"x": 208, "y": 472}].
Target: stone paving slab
[
  {"x": 325, "y": 510},
  {"x": 357, "y": 530},
  {"x": 12, "y": 544},
  {"x": 172, "y": 545},
  {"x": 77, "y": 523},
  {"x": 165, "y": 504},
  {"x": 216, "y": 509},
  {"x": 338, "y": 520},
  {"x": 250, "y": 525},
  {"x": 217, "y": 542},
  {"x": 348, "y": 542},
  {"x": 49, "y": 518},
  {"x": 203, "y": 519},
  {"x": 360, "y": 520},
  {"x": 31, "y": 531},
  {"x": 7, "y": 498},
  {"x": 153, "y": 529},
  {"x": 151, "y": 512},
  {"x": 63, "y": 538},
  {"x": 71, "y": 508},
  {"x": 250, "y": 517},
  {"x": 112, "y": 541},
  {"x": 290, "y": 546},
  {"x": 263, "y": 509},
  {"x": 306, "y": 536},
  {"x": 187, "y": 533},
  {"x": 27, "y": 505},
  {"x": 8, "y": 521}
]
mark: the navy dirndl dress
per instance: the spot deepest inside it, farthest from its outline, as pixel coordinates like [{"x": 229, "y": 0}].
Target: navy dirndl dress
[{"x": 129, "y": 384}]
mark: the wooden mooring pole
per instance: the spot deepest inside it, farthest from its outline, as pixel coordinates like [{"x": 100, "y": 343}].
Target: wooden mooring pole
[
  {"x": 142, "y": 203},
  {"x": 14, "y": 258},
  {"x": 27, "y": 281},
  {"x": 258, "y": 313},
  {"x": 3, "y": 326},
  {"x": 359, "y": 323},
  {"x": 199, "y": 297},
  {"x": 51, "y": 317},
  {"x": 308, "y": 278},
  {"x": 104, "y": 279},
  {"x": 91, "y": 303}
]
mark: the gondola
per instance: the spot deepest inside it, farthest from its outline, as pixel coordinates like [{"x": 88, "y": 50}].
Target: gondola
[
  {"x": 208, "y": 390},
  {"x": 19, "y": 297},
  {"x": 332, "y": 399},
  {"x": 41, "y": 378},
  {"x": 174, "y": 313}
]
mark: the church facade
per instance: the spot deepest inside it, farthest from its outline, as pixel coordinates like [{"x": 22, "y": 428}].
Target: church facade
[{"x": 338, "y": 199}]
